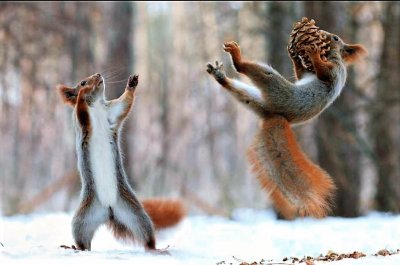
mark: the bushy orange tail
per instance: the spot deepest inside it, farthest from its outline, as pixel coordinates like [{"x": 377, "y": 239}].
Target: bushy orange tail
[
  {"x": 164, "y": 212},
  {"x": 297, "y": 186}
]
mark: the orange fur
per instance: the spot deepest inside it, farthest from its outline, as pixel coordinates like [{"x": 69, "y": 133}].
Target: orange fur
[
  {"x": 297, "y": 186},
  {"x": 323, "y": 69},
  {"x": 353, "y": 52},
  {"x": 68, "y": 94},
  {"x": 164, "y": 212},
  {"x": 280, "y": 202},
  {"x": 82, "y": 111}
]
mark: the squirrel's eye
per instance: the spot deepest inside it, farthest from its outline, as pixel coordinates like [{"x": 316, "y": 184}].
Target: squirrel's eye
[
  {"x": 83, "y": 83},
  {"x": 335, "y": 38}
]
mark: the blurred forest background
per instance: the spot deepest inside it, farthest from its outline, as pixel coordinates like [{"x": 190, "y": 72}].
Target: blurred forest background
[{"x": 186, "y": 137}]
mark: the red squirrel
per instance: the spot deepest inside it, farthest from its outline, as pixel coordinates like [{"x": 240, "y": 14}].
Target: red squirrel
[
  {"x": 297, "y": 186},
  {"x": 106, "y": 196}
]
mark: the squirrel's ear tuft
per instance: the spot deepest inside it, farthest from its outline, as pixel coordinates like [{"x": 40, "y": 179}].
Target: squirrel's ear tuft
[
  {"x": 68, "y": 94},
  {"x": 353, "y": 52}
]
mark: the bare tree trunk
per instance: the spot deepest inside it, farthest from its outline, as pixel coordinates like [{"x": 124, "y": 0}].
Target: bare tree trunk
[
  {"x": 120, "y": 59},
  {"x": 82, "y": 60},
  {"x": 211, "y": 134},
  {"x": 337, "y": 152},
  {"x": 78, "y": 39},
  {"x": 162, "y": 72},
  {"x": 228, "y": 170},
  {"x": 165, "y": 50},
  {"x": 385, "y": 119},
  {"x": 278, "y": 21}
]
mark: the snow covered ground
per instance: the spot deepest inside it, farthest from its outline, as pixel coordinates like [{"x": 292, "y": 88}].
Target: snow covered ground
[{"x": 249, "y": 236}]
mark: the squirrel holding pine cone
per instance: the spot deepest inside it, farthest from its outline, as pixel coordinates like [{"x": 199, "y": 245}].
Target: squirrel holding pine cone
[{"x": 297, "y": 186}]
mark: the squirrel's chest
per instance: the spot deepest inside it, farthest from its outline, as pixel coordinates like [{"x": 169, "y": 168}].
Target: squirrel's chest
[
  {"x": 339, "y": 82},
  {"x": 102, "y": 158}
]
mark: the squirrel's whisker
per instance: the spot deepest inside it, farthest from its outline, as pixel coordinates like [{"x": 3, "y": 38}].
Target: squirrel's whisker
[{"x": 113, "y": 82}]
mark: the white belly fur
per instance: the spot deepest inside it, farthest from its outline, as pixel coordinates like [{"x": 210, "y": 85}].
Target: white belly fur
[
  {"x": 252, "y": 91},
  {"x": 101, "y": 156},
  {"x": 308, "y": 78}
]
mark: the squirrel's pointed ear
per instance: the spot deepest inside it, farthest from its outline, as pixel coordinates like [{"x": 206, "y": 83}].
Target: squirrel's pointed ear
[
  {"x": 353, "y": 52},
  {"x": 68, "y": 94}
]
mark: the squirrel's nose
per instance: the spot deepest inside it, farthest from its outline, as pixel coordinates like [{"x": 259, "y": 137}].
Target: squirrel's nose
[{"x": 97, "y": 74}]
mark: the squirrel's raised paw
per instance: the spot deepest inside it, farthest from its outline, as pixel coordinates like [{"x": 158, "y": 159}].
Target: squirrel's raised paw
[
  {"x": 133, "y": 81},
  {"x": 234, "y": 49},
  {"x": 216, "y": 71},
  {"x": 231, "y": 46},
  {"x": 213, "y": 69},
  {"x": 312, "y": 49}
]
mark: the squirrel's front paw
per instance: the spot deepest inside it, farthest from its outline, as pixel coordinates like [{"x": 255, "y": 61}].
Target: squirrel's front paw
[
  {"x": 216, "y": 71},
  {"x": 213, "y": 69},
  {"x": 234, "y": 49},
  {"x": 132, "y": 82},
  {"x": 312, "y": 50}
]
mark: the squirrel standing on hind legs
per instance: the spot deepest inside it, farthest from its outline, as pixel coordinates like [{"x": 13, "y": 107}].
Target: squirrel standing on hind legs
[
  {"x": 297, "y": 186},
  {"x": 106, "y": 196}
]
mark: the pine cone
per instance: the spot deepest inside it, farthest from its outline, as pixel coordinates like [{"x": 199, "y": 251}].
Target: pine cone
[{"x": 306, "y": 33}]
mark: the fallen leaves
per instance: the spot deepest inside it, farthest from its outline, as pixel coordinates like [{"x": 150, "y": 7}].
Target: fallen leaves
[
  {"x": 332, "y": 256},
  {"x": 308, "y": 260},
  {"x": 385, "y": 252}
]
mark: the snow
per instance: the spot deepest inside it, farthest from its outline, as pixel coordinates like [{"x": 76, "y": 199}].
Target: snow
[{"x": 250, "y": 235}]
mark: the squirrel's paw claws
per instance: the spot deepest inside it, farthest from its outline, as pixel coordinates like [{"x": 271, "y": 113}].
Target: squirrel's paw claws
[
  {"x": 162, "y": 252},
  {"x": 312, "y": 49},
  {"x": 69, "y": 247},
  {"x": 212, "y": 69},
  {"x": 231, "y": 46},
  {"x": 216, "y": 71},
  {"x": 133, "y": 81}
]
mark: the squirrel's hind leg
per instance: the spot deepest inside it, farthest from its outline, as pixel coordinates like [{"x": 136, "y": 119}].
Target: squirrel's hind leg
[
  {"x": 130, "y": 214},
  {"x": 89, "y": 216}
]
